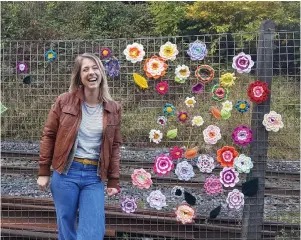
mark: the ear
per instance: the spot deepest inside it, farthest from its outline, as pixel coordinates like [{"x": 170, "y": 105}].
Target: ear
[
  {"x": 190, "y": 199},
  {"x": 214, "y": 213},
  {"x": 250, "y": 188}
]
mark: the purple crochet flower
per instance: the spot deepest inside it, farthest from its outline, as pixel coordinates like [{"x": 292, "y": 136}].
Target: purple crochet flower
[
  {"x": 197, "y": 50},
  {"x": 198, "y": 88},
  {"x": 112, "y": 67},
  {"x": 128, "y": 204},
  {"x": 21, "y": 67},
  {"x": 229, "y": 177},
  {"x": 242, "y": 63},
  {"x": 242, "y": 135}
]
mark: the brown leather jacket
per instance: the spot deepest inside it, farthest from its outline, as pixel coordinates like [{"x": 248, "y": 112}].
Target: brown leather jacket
[{"x": 61, "y": 129}]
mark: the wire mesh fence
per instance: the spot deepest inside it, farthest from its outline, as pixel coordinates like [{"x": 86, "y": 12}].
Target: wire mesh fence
[{"x": 28, "y": 96}]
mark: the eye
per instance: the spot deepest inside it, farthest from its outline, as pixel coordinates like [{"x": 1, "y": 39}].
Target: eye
[{"x": 95, "y": 67}]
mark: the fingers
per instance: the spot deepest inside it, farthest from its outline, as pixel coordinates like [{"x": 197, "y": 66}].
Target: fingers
[{"x": 112, "y": 191}]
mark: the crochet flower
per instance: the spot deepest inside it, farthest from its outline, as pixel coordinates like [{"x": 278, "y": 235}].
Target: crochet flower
[
  {"x": 227, "y": 105},
  {"x": 184, "y": 171},
  {"x": 226, "y": 156},
  {"x": 197, "y": 88},
  {"x": 50, "y": 55},
  {"x": 162, "y": 87},
  {"x": 177, "y": 191},
  {"x": 212, "y": 134},
  {"x": 225, "y": 114},
  {"x": 134, "y": 52},
  {"x": 112, "y": 67},
  {"x": 272, "y": 121},
  {"x": 213, "y": 185},
  {"x": 155, "y": 67},
  {"x": 205, "y": 163},
  {"x": 128, "y": 204},
  {"x": 190, "y": 101},
  {"x": 105, "y": 52},
  {"x": 227, "y": 80},
  {"x": 155, "y": 136},
  {"x": 204, "y": 73},
  {"x": 242, "y": 135},
  {"x": 197, "y": 121},
  {"x": 242, "y": 63},
  {"x": 176, "y": 153},
  {"x": 235, "y": 199},
  {"x": 242, "y": 106},
  {"x": 163, "y": 164},
  {"x": 162, "y": 121},
  {"x": 191, "y": 153},
  {"x": 183, "y": 117},
  {"x": 219, "y": 93},
  {"x": 229, "y": 177},
  {"x": 156, "y": 200},
  {"x": 141, "y": 178},
  {"x": 243, "y": 163},
  {"x": 258, "y": 91},
  {"x": 185, "y": 213},
  {"x": 169, "y": 109},
  {"x": 168, "y": 51},
  {"x": 21, "y": 67},
  {"x": 182, "y": 71},
  {"x": 197, "y": 50}
]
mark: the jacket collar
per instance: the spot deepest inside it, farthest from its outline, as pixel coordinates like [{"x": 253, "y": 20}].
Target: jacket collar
[{"x": 106, "y": 105}]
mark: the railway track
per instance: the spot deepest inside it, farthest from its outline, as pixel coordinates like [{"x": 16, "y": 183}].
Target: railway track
[
  {"x": 34, "y": 218},
  {"x": 37, "y": 216}
]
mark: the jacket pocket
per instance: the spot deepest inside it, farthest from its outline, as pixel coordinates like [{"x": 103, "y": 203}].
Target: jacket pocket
[{"x": 69, "y": 116}]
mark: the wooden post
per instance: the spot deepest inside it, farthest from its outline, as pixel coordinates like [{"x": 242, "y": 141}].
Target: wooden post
[{"x": 253, "y": 213}]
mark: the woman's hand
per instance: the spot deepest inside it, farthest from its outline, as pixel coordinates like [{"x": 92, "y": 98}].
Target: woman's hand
[
  {"x": 112, "y": 191},
  {"x": 43, "y": 182}
]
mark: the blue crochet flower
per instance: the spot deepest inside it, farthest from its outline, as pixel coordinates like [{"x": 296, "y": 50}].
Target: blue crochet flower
[
  {"x": 112, "y": 67},
  {"x": 242, "y": 106},
  {"x": 169, "y": 109},
  {"x": 50, "y": 55},
  {"x": 197, "y": 50}
]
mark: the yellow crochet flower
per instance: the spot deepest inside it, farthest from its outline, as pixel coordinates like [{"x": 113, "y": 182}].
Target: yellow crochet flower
[{"x": 227, "y": 80}]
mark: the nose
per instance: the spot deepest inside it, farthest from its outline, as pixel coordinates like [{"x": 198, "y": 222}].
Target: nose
[{"x": 91, "y": 71}]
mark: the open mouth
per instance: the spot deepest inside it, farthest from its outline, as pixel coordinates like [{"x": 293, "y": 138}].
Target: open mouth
[{"x": 92, "y": 80}]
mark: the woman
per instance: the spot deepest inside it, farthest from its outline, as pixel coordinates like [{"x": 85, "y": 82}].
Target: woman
[{"x": 81, "y": 140}]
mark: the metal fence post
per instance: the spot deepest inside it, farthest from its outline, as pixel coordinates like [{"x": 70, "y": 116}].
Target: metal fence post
[{"x": 253, "y": 213}]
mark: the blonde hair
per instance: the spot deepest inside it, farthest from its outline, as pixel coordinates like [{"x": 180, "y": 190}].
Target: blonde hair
[{"x": 76, "y": 81}]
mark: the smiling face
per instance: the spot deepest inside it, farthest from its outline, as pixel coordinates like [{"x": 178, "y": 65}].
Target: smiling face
[{"x": 90, "y": 74}]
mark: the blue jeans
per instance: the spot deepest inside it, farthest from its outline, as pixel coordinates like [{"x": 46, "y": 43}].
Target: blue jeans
[{"x": 81, "y": 189}]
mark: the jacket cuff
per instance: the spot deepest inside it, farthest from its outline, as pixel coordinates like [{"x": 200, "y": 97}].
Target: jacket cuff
[
  {"x": 44, "y": 170},
  {"x": 113, "y": 183}
]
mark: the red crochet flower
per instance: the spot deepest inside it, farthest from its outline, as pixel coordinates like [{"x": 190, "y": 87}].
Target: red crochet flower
[
  {"x": 162, "y": 87},
  {"x": 176, "y": 153},
  {"x": 258, "y": 91},
  {"x": 226, "y": 156}
]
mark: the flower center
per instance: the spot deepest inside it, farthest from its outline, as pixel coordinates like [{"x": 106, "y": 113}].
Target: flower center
[
  {"x": 156, "y": 136},
  {"x": 242, "y": 135},
  {"x": 105, "y": 52},
  {"x": 50, "y": 55},
  {"x": 161, "y": 121},
  {"x": 183, "y": 116},
  {"x": 155, "y": 66},
  {"x": 134, "y": 52},
  {"x": 168, "y": 51},
  {"x": 227, "y": 156},
  {"x": 169, "y": 109},
  {"x": 22, "y": 67},
  {"x": 258, "y": 91},
  {"x": 220, "y": 92},
  {"x": 162, "y": 88},
  {"x": 211, "y": 134},
  {"x": 190, "y": 101},
  {"x": 242, "y": 106},
  {"x": 183, "y": 72}
]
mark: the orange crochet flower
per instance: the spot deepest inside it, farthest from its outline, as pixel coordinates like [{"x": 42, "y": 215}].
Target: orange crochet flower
[
  {"x": 155, "y": 67},
  {"x": 226, "y": 156},
  {"x": 191, "y": 153}
]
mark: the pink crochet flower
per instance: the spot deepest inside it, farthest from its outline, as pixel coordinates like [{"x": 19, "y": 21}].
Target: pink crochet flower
[
  {"x": 235, "y": 199},
  {"x": 213, "y": 185},
  {"x": 176, "y": 153},
  {"x": 141, "y": 178},
  {"x": 242, "y": 135},
  {"x": 162, "y": 87},
  {"x": 163, "y": 164},
  {"x": 229, "y": 177}
]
